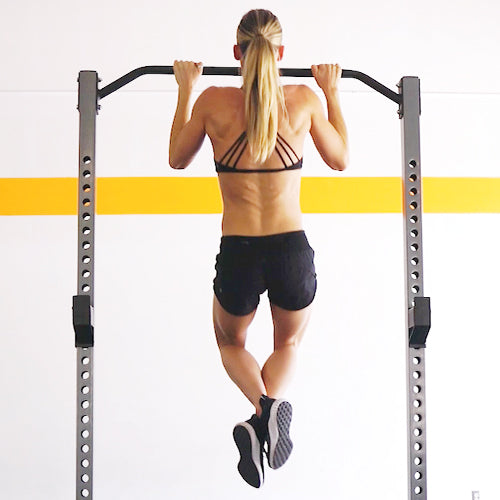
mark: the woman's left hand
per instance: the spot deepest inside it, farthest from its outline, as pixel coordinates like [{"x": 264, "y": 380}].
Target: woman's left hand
[{"x": 187, "y": 73}]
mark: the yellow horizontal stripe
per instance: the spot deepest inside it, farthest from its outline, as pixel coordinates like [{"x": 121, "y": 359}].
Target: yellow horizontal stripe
[
  {"x": 200, "y": 195},
  {"x": 47, "y": 196},
  {"x": 443, "y": 195}
]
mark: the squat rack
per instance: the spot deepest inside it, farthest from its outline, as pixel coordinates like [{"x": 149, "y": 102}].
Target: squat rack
[{"x": 418, "y": 320}]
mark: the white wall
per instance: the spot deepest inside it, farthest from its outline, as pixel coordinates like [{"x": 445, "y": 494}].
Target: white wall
[{"x": 164, "y": 408}]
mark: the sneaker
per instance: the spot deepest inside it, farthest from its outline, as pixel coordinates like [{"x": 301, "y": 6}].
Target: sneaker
[
  {"x": 251, "y": 464},
  {"x": 276, "y": 418}
]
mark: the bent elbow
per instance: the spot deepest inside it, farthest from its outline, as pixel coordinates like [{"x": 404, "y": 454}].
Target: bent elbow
[
  {"x": 176, "y": 163},
  {"x": 340, "y": 163}
]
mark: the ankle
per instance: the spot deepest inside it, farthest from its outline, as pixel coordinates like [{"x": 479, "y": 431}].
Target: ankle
[{"x": 259, "y": 407}]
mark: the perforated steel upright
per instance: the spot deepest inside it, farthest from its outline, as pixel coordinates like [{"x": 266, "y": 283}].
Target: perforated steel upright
[
  {"x": 83, "y": 302},
  {"x": 418, "y": 306}
]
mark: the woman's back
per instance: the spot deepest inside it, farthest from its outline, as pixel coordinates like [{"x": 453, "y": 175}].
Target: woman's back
[{"x": 259, "y": 198}]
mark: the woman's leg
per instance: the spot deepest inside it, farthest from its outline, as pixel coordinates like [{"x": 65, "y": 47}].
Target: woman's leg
[
  {"x": 241, "y": 366},
  {"x": 289, "y": 328}
]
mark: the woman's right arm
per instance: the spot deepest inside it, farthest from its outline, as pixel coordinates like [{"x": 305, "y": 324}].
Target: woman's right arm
[{"x": 329, "y": 135}]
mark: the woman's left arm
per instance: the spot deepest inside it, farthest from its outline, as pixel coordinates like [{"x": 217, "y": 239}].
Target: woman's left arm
[{"x": 188, "y": 129}]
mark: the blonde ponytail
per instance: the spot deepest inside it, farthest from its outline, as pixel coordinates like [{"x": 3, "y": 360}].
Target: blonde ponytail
[{"x": 259, "y": 37}]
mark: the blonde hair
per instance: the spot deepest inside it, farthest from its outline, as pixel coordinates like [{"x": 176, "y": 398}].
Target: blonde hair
[{"x": 259, "y": 37}]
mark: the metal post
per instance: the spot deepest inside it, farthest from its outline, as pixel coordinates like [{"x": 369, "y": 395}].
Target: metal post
[
  {"x": 418, "y": 306},
  {"x": 84, "y": 300}
]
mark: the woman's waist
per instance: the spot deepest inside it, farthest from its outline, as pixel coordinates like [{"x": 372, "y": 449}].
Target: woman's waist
[{"x": 260, "y": 223}]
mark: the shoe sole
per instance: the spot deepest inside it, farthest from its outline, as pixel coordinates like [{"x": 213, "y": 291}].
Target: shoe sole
[
  {"x": 280, "y": 444},
  {"x": 250, "y": 464}
]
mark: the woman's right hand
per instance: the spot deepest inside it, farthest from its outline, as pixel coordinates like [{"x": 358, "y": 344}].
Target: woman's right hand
[
  {"x": 327, "y": 76},
  {"x": 187, "y": 73}
]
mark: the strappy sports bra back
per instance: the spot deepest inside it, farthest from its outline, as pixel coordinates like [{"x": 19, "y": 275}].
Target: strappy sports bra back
[{"x": 226, "y": 163}]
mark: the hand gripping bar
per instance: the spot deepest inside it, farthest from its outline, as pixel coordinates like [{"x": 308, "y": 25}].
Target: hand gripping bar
[{"x": 235, "y": 71}]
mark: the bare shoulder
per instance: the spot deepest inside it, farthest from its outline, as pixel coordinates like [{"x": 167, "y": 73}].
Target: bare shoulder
[
  {"x": 299, "y": 94},
  {"x": 219, "y": 93}
]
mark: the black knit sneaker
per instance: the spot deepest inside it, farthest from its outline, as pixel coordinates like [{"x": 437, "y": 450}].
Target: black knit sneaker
[
  {"x": 251, "y": 464},
  {"x": 276, "y": 418}
]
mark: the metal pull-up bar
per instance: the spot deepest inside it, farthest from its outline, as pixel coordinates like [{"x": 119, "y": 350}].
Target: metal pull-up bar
[
  {"x": 418, "y": 320},
  {"x": 235, "y": 71}
]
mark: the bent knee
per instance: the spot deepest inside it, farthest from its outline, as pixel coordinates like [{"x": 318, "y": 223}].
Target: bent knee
[
  {"x": 228, "y": 338},
  {"x": 290, "y": 341}
]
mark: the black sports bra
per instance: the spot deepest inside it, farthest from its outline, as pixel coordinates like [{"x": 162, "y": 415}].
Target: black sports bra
[{"x": 239, "y": 146}]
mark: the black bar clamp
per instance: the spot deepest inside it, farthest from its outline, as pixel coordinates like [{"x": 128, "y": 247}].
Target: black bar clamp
[
  {"x": 83, "y": 321},
  {"x": 419, "y": 321}
]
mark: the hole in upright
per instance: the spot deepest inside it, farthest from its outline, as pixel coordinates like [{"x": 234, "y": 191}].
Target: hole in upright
[
  {"x": 87, "y": 160},
  {"x": 413, "y": 205},
  {"x": 86, "y": 259},
  {"x": 414, "y": 261},
  {"x": 86, "y": 288},
  {"x": 413, "y": 191},
  {"x": 86, "y": 174},
  {"x": 414, "y": 233},
  {"x": 415, "y": 275},
  {"x": 413, "y": 177},
  {"x": 412, "y": 164}
]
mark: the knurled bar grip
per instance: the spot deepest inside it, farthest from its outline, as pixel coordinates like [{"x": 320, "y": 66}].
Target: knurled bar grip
[
  {"x": 235, "y": 71},
  {"x": 84, "y": 300},
  {"x": 412, "y": 213}
]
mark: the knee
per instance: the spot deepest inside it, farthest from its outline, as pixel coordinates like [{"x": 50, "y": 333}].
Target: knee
[
  {"x": 291, "y": 342},
  {"x": 287, "y": 339},
  {"x": 229, "y": 338}
]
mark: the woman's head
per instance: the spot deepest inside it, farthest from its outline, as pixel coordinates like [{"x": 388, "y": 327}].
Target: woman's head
[
  {"x": 257, "y": 26},
  {"x": 259, "y": 47}
]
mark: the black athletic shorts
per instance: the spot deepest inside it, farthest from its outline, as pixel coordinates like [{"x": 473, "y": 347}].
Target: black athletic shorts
[{"x": 247, "y": 266}]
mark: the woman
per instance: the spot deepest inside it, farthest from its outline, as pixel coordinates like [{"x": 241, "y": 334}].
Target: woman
[{"x": 257, "y": 133}]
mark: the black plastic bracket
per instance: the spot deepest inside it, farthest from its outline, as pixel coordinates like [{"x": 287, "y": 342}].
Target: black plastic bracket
[
  {"x": 419, "y": 321},
  {"x": 83, "y": 321}
]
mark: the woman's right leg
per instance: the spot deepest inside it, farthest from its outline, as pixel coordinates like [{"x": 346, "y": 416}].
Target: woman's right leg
[
  {"x": 289, "y": 328},
  {"x": 241, "y": 366}
]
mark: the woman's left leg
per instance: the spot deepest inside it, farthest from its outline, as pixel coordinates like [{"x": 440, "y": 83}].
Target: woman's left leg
[{"x": 240, "y": 365}]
